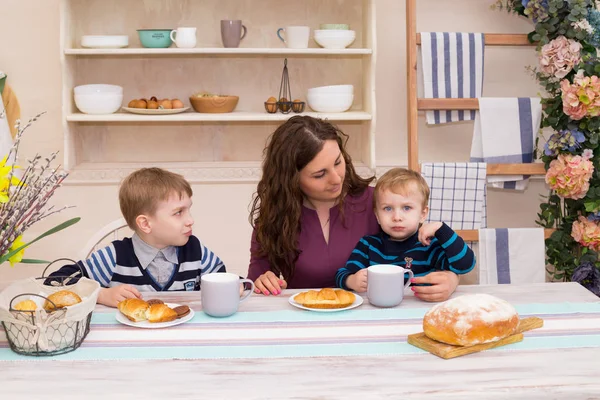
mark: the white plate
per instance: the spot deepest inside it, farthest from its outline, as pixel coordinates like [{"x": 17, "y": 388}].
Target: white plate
[
  {"x": 357, "y": 302},
  {"x": 165, "y": 111},
  {"x": 154, "y": 325}
]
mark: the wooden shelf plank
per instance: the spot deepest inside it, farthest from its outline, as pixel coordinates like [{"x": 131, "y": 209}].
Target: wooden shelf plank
[
  {"x": 237, "y": 116},
  {"x": 500, "y": 39},
  {"x": 472, "y": 235},
  {"x": 515, "y": 169},
  {"x": 133, "y": 51},
  {"x": 448, "y": 104}
]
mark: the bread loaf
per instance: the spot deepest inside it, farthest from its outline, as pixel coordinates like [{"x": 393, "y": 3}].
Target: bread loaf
[
  {"x": 325, "y": 298},
  {"x": 133, "y": 309},
  {"x": 25, "y": 305},
  {"x": 62, "y": 298},
  {"x": 471, "y": 319}
]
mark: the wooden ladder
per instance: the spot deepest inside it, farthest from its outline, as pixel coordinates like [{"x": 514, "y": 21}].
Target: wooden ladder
[{"x": 413, "y": 39}]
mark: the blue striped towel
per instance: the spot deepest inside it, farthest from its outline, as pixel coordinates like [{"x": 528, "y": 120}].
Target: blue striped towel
[
  {"x": 512, "y": 256},
  {"x": 457, "y": 193},
  {"x": 452, "y": 65},
  {"x": 504, "y": 132}
]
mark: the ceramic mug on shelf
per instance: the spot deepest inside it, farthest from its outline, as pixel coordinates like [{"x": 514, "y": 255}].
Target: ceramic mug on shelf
[
  {"x": 184, "y": 37},
  {"x": 220, "y": 293},
  {"x": 296, "y": 37},
  {"x": 232, "y": 32},
  {"x": 385, "y": 284}
]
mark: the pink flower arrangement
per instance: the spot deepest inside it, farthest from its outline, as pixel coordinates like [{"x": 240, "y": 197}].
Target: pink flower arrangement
[
  {"x": 586, "y": 233},
  {"x": 582, "y": 97},
  {"x": 569, "y": 176},
  {"x": 558, "y": 57}
]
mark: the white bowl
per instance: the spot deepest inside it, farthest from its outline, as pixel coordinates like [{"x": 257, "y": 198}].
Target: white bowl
[
  {"x": 99, "y": 103},
  {"x": 334, "y": 33},
  {"x": 337, "y": 40},
  {"x": 331, "y": 103},
  {"x": 105, "y": 41},
  {"x": 98, "y": 89},
  {"x": 333, "y": 89}
]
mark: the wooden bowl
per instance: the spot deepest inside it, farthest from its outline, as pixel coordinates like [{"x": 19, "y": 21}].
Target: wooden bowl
[{"x": 214, "y": 104}]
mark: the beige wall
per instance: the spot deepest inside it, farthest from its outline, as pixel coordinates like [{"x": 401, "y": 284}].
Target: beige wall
[{"x": 30, "y": 55}]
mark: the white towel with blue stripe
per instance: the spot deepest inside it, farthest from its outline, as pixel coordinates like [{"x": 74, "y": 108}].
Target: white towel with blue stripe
[
  {"x": 452, "y": 64},
  {"x": 457, "y": 193},
  {"x": 511, "y": 256},
  {"x": 504, "y": 133}
]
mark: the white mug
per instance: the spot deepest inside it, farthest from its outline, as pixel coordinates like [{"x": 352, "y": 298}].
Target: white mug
[
  {"x": 220, "y": 293},
  {"x": 385, "y": 284},
  {"x": 296, "y": 37},
  {"x": 184, "y": 37}
]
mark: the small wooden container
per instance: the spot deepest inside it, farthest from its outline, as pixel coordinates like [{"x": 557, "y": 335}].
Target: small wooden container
[{"x": 214, "y": 104}]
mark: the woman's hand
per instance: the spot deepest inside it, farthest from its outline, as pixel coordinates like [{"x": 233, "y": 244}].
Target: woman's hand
[
  {"x": 112, "y": 296},
  {"x": 443, "y": 284},
  {"x": 269, "y": 283},
  {"x": 358, "y": 281}
]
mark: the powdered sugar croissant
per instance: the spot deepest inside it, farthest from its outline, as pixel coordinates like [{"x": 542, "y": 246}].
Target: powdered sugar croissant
[{"x": 325, "y": 298}]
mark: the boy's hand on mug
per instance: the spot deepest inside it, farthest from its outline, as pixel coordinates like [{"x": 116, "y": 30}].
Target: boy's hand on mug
[
  {"x": 269, "y": 283},
  {"x": 112, "y": 296},
  {"x": 427, "y": 232},
  {"x": 358, "y": 281},
  {"x": 442, "y": 285}
]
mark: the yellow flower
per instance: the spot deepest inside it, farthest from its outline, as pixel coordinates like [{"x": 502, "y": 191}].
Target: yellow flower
[
  {"x": 4, "y": 183},
  {"x": 17, "y": 257}
]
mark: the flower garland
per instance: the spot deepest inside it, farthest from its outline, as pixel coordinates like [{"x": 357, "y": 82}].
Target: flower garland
[{"x": 567, "y": 34}]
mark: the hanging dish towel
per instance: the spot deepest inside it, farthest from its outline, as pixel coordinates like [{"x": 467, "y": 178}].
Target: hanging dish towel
[
  {"x": 452, "y": 65},
  {"x": 512, "y": 256},
  {"x": 457, "y": 193},
  {"x": 504, "y": 132}
]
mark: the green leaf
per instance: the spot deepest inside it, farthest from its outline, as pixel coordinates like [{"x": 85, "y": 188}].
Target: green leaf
[
  {"x": 49, "y": 232},
  {"x": 33, "y": 261}
]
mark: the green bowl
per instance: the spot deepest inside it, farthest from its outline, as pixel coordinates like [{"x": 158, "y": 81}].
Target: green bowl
[
  {"x": 335, "y": 26},
  {"x": 155, "y": 38}
]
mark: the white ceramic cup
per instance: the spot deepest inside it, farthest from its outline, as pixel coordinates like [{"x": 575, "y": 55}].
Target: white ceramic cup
[
  {"x": 184, "y": 37},
  {"x": 385, "y": 284},
  {"x": 220, "y": 293},
  {"x": 296, "y": 37}
]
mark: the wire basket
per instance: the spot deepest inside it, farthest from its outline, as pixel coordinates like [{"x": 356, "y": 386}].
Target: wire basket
[{"x": 42, "y": 332}]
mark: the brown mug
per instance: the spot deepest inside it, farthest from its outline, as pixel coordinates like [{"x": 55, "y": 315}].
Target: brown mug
[{"x": 231, "y": 32}]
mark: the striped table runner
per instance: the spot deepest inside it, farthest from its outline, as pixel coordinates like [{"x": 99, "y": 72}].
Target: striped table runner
[{"x": 295, "y": 333}]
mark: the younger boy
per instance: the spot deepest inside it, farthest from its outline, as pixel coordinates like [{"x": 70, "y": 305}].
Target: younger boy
[
  {"x": 162, "y": 254},
  {"x": 400, "y": 201}
]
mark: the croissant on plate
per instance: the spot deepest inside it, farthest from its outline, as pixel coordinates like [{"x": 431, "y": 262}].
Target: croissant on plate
[{"x": 325, "y": 298}]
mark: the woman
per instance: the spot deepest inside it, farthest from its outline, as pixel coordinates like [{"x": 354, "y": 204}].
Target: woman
[{"x": 310, "y": 210}]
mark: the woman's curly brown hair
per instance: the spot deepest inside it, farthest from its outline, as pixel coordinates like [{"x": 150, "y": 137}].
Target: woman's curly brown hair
[{"x": 277, "y": 203}]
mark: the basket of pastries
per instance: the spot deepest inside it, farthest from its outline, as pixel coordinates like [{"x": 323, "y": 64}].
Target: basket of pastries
[{"x": 47, "y": 320}]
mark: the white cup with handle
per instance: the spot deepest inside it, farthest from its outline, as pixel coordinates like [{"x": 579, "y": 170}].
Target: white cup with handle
[
  {"x": 184, "y": 37},
  {"x": 385, "y": 284},
  {"x": 296, "y": 37},
  {"x": 220, "y": 293}
]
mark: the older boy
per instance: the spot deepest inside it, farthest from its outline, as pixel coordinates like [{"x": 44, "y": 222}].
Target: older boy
[
  {"x": 400, "y": 200},
  {"x": 162, "y": 254}
]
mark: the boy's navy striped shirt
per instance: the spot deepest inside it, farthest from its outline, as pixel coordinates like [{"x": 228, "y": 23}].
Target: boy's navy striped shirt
[{"x": 446, "y": 252}]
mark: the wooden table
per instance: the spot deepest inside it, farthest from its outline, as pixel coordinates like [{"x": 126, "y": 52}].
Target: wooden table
[{"x": 567, "y": 373}]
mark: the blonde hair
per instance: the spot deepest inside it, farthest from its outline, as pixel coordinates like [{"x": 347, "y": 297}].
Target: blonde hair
[
  {"x": 143, "y": 189},
  {"x": 398, "y": 181}
]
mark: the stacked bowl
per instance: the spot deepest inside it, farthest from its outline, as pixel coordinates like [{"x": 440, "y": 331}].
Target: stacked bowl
[
  {"x": 334, "y": 38},
  {"x": 98, "y": 99},
  {"x": 332, "y": 99}
]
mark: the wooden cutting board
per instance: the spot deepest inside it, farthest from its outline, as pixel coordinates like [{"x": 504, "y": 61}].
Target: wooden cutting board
[{"x": 447, "y": 351}]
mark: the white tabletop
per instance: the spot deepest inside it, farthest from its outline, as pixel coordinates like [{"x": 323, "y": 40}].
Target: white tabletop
[{"x": 565, "y": 373}]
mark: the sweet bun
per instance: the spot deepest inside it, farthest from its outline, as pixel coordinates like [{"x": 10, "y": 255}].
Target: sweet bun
[
  {"x": 471, "y": 319},
  {"x": 160, "y": 313},
  {"x": 133, "y": 309},
  {"x": 325, "y": 298},
  {"x": 62, "y": 298},
  {"x": 25, "y": 305}
]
